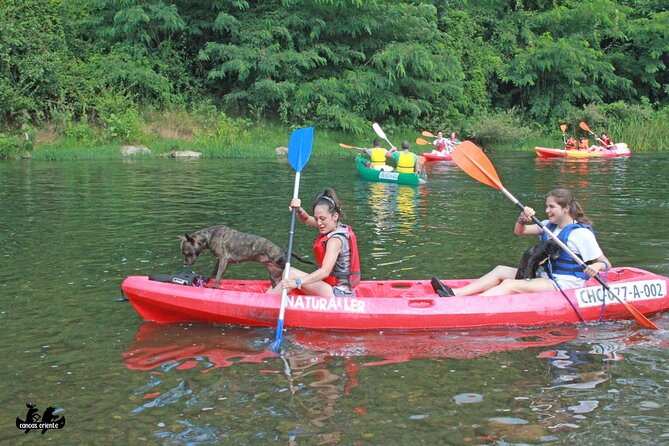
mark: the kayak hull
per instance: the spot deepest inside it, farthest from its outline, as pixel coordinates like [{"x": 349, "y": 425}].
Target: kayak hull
[
  {"x": 394, "y": 304},
  {"x": 429, "y": 156},
  {"x": 620, "y": 151},
  {"x": 411, "y": 179}
]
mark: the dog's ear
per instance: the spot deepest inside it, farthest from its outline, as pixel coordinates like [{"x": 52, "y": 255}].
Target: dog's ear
[
  {"x": 187, "y": 237},
  {"x": 552, "y": 249}
]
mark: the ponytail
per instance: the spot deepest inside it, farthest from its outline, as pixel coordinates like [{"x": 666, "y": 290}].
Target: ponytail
[{"x": 328, "y": 198}]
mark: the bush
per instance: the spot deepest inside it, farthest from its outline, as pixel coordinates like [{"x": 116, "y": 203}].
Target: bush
[
  {"x": 500, "y": 128},
  {"x": 226, "y": 131},
  {"x": 119, "y": 117},
  {"x": 12, "y": 147}
]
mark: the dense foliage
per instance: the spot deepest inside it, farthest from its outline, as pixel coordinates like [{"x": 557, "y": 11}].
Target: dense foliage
[{"x": 336, "y": 64}]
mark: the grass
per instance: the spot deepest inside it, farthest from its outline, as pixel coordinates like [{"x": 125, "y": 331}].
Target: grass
[{"x": 216, "y": 135}]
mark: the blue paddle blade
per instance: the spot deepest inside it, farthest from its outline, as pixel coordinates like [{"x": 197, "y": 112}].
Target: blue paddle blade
[{"x": 299, "y": 147}]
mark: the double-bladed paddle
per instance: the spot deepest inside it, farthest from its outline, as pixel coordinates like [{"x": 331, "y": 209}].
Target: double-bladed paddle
[
  {"x": 381, "y": 133},
  {"x": 299, "y": 151},
  {"x": 422, "y": 142},
  {"x": 563, "y": 127},
  {"x": 473, "y": 161},
  {"x": 428, "y": 134}
]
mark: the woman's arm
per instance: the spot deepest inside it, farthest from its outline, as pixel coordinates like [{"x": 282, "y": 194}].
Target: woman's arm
[
  {"x": 522, "y": 227},
  {"x": 601, "y": 263},
  {"x": 303, "y": 215},
  {"x": 332, "y": 250}
]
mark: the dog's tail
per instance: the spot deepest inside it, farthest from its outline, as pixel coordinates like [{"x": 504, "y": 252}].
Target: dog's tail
[{"x": 301, "y": 259}]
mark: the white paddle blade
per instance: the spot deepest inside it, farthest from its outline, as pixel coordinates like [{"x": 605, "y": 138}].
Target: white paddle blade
[{"x": 379, "y": 131}]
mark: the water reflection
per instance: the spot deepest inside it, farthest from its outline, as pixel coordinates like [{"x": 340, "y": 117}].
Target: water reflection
[
  {"x": 393, "y": 220},
  {"x": 317, "y": 389},
  {"x": 318, "y": 368}
]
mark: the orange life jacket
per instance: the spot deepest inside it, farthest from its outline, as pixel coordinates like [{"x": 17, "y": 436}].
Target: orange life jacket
[
  {"x": 583, "y": 144},
  {"x": 353, "y": 275}
]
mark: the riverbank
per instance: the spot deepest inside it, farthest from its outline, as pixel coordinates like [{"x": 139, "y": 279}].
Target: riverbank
[{"x": 216, "y": 136}]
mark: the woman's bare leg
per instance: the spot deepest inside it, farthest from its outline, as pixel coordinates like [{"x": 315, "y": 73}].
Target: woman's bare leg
[
  {"x": 293, "y": 274},
  {"x": 484, "y": 283},
  {"x": 516, "y": 286},
  {"x": 319, "y": 288}
]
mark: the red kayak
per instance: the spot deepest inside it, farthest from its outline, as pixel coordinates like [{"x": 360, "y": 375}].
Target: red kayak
[
  {"x": 429, "y": 156},
  {"x": 394, "y": 304},
  {"x": 620, "y": 150}
]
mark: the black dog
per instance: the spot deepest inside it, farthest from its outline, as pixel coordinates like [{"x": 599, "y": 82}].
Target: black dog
[
  {"x": 535, "y": 257},
  {"x": 232, "y": 246}
]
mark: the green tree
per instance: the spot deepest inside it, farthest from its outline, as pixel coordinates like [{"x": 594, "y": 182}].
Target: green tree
[{"x": 33, "y": 60}]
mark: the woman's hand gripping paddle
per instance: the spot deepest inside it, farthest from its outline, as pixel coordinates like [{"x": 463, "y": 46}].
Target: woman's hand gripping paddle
[
  {"x": 473, "y": 161},
  {"x": 381, "y": 133},
  {"x": 299, "y": 151}
]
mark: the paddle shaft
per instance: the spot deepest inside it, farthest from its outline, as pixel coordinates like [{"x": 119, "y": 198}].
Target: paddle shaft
[
  {"x": 346, "y": 146},
  {"x": 637, "y": 315},
  {"x": 286, "y": 272}
]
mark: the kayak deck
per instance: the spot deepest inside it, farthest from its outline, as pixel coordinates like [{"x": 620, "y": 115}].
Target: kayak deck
[
  {"x": 544, "y": 152},
  {"x": 429, "y": 156},
  {"x": 395, "y": 304},
  {"x": 370, "y": 174}
]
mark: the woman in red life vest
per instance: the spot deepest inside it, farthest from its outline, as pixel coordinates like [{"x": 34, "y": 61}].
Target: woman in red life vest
[
  {"x": 441, "y": 143},
  {"x": 606, "y": 142},
  {"x": 570, "y": 144},
  {"x": 335, "y": 249}
]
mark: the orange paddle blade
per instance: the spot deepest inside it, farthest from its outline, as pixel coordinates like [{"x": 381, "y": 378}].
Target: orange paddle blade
[
  {"x": 422, "y": 142},
  {"x": 639, "y": 317},
  {"x": 584, "y": 126},
  {"x": 346, "y": 146},
  {"x": 563, "y": 127},
  {"x": 428, "y": 134},
  {"x": 421, "y": 160},
  {"x": 470, "y": 158}
]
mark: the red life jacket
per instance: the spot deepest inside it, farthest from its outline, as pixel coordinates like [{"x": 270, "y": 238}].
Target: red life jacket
[
  {"x": 354, "y": 274},
  {"x": 441, "y": 144}
]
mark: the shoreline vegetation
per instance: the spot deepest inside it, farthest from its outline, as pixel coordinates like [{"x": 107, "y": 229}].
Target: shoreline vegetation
[
  {"x": 232, "y": 79},
  {"x": 216, "y": 135}
]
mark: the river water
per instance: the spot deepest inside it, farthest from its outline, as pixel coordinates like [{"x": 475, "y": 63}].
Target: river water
[{"x": 71, "y": 231}]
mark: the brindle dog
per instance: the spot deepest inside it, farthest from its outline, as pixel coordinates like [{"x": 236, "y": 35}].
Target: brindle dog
[
  {"x": 232, "y": 246},
  {"x": 536, "y": 256}
]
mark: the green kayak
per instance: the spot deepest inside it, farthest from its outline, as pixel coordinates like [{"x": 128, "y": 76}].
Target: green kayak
[{"x": 412, "y": 179}]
